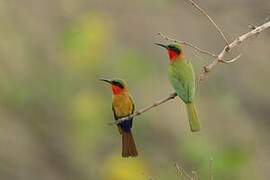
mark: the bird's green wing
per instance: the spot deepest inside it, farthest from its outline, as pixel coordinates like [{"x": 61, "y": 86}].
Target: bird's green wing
[
  {"x": 179, "y": 88},
  {"x": 114, "y": 114},
  {"x": 115, "y": 117},
  {"x": 133, "y": 106},
  {"x": 182, "y": 78},
  {"x": 131, "y": 119}
]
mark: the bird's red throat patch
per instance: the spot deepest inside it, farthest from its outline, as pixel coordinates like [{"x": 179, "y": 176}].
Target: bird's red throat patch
[
  {"x": 116, "y": 90},
  {"x": 172, "y": 55}
]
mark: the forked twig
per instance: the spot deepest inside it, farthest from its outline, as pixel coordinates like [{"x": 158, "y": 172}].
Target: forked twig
[
  {"x": 255, "y": 30},
  {"x": 231, "y": 46}
]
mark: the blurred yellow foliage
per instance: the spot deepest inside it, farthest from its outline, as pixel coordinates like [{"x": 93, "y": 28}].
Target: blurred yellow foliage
[
  {"x": 117, "y": 168},
  {"x": 86, "y": 42},
  {"x": 86, "y": 110},
  {"x": 86, "y": 106}
]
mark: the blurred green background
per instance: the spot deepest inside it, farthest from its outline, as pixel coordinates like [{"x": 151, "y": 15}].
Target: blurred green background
[{"x": 54, "y": 112}]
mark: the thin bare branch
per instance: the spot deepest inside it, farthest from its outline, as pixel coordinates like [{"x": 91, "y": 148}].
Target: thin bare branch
[
  {"x": 188, "y": 44},
  {"x": 231, "y": 46},
  {"x": 179, "y": 170},
  {"x": 232, "y": 60},
  {"x": 137, "y": 113},
  {"x": 210, "y": 169},
  {"x": 195, "y": 175},
  {"x": 183, "y": 172},
  {"x": 211, "y": 20}
]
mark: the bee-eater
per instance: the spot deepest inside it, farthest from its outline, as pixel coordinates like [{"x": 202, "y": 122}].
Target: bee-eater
[
  {"x": 182, "y": 78},
  {"x": 123, "y": 106}
]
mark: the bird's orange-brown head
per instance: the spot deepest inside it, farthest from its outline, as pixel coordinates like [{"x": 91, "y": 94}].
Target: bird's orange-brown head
[{"x": 118, "y": 85}]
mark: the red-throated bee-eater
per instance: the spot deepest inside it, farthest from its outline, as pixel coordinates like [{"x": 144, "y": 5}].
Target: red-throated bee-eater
[
  {"x": 182, "y": 78},
  {"x": 123, "y": 106}
]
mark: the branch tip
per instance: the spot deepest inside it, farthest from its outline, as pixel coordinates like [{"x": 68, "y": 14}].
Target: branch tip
[{"x": 232, "y": 60}]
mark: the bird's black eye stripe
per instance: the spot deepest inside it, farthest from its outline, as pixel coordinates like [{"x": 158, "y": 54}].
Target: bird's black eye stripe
[
  {"x": 118, "y": 84},
  {"x": 175, "y": 49}
]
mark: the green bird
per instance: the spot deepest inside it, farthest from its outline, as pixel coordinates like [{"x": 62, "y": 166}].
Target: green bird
[
  {"x": 182, "y": 78},
  {"x": 123, "y": 106}
]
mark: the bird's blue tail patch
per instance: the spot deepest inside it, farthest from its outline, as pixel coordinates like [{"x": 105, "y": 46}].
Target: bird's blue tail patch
[{"x": 126, "y": 125}]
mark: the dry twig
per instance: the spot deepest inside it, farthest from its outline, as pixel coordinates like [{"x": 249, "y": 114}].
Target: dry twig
[
  {"x": 183, "y": 173},
  {"x": 210, "y": 19},
  {"x": 255, "y": 30},
  {"x": 232, "y": 45},
  {"x": 210, "y": 169},
  {"x": 188, "y": 44},
  {"x": 137, "y": 113},
  {"x": 194, "y": 176}
]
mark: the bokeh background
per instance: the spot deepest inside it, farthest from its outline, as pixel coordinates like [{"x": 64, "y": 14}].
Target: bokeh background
[{"x": 54, "y": 112}]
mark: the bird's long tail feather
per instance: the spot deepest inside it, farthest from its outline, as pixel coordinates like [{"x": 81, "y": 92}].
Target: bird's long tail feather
[
  {"x": 128, "y": 145},
  {"x": 193, "y": 117}
]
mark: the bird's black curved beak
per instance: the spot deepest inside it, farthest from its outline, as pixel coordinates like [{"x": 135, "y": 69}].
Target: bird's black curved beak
[
  {"x": 106, "y": 80},
  {"x": 161, "y": 45}
]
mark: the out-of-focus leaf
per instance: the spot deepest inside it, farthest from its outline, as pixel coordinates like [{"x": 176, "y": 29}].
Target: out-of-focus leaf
[
  {"x": 87, "y": 119},
  {"x": 86, "y": 42},
  {"x": 133, "y": 65},
  {"x": 117, "y": 168},
  {"x": 230, "y": 162}
]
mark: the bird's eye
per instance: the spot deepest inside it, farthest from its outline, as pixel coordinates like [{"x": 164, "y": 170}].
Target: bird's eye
[
  {"x": 118, "y": 84},
  {"x": 175, "y": 49}
]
